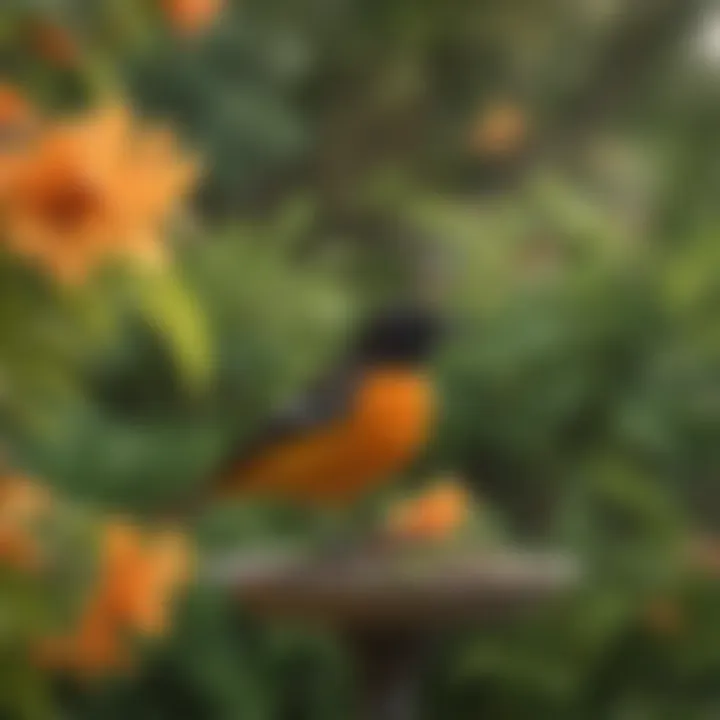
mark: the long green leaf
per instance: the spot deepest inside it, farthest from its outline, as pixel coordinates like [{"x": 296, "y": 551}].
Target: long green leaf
[{"x": 171, "y": 309}]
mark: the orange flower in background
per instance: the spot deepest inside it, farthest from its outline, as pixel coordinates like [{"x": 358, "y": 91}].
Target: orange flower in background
[
  {"x": 139, "y": 577},
  {"x": 434, "y": 515},
  {"x": 92, "y": 188},
  {"x": 95, "y": 647},
  {"x": 54, "y": 44},
  {"x": 499, "y": 130},
  {"x": 190, "y": 17}
]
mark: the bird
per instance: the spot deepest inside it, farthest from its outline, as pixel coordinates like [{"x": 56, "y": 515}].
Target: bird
[{"x": 364, "y": 421}]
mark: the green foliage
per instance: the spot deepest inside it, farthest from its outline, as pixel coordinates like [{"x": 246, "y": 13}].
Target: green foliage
[
  {"x": 257, "y": 330},
  {"x": 580, "y": 389}
]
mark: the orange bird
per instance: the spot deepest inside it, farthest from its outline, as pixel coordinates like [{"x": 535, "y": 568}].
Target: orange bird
[{"x": 362, "y": 423}]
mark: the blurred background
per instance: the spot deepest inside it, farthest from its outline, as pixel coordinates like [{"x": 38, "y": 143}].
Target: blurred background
[{"x": 557, "y": 158}]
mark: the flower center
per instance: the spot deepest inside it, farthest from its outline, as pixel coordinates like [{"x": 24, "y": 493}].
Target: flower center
[{"x": 69, "y": 204}]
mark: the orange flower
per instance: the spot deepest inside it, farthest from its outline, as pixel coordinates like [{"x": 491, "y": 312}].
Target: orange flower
[
  {"x": 95, "y": 647},
  {"x": 191, "y": 16},
  {"x": 138, "y": 579},
  {"x": 434, "y": 515},
  {"x": 499, "y": 131},
  {"x": 54, "y": 43},
  {"x": 92, "y": 188}
]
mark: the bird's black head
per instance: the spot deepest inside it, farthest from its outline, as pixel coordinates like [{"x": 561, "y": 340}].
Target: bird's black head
[{"x": 404, "y": 336}]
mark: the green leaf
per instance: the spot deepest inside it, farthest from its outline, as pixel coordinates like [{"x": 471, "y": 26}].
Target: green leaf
[{"x": 168, "y": 306}]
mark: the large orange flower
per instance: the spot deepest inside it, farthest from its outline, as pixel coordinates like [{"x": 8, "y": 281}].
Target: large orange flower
[{"x": 91, "y": 188}]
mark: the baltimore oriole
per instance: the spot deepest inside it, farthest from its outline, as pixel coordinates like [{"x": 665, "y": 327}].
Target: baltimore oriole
[{"x": 362, "y": 423}]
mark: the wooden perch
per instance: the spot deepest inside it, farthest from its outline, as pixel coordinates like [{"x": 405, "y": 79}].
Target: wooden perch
[
  {"x": 397, "y": 589},
  {"x": 387, "y": 604}
]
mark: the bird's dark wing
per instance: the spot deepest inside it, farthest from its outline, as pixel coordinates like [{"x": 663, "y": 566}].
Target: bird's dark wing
[{"x": 322, "y": 404}]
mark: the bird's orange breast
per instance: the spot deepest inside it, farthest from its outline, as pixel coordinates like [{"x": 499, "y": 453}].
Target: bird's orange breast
[{"x": 385, "y": 427}]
